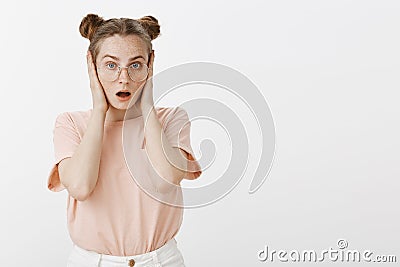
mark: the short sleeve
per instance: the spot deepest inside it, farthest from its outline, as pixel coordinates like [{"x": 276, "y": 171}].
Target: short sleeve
[
  {"x": 65, "y": 139},
  {"x": 177, "y": 131}
]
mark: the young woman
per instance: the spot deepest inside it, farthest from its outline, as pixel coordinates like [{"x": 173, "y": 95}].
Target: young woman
[{"x": 112, "y": 220}]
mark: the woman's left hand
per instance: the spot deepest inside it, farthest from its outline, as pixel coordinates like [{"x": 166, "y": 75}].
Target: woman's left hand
[{"x": 146, "y": 101}]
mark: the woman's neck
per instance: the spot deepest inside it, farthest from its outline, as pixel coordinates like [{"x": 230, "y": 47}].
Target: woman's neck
[{"x": 114, "y": 114}]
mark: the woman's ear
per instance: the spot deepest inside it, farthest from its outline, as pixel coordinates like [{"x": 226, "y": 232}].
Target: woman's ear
[{"x": 150, "y": 55}]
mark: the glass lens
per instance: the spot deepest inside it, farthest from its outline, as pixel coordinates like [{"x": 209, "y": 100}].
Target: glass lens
[
  {"x": 138, "y": 72},
  {"x": 109, "y": 71}
]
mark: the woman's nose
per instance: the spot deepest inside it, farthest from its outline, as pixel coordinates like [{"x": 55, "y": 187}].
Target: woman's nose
[{"x": 124, "y": 75}]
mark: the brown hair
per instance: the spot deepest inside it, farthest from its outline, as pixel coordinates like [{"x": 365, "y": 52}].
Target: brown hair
[{"x": 96, "y": 29}]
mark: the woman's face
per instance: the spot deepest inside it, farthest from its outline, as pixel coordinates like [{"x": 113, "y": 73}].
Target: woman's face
[{"x": 122, "y": 51}]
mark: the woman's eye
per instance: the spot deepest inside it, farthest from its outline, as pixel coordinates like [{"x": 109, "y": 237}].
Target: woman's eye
[
  {"x": 135, "y": 65},
  {"x": 110, "y": 65}
]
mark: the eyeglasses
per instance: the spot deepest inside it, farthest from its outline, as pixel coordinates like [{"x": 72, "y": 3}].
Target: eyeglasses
[{"x": 110, "y": 71}]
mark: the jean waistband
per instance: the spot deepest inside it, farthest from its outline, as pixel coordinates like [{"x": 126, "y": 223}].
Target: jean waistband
[{"x": 139, "y": 258}]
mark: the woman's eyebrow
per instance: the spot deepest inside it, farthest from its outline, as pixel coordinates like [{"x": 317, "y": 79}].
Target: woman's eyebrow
[{"x": 114, "y": 57}]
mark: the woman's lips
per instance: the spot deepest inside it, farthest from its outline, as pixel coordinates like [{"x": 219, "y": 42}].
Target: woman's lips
[{"x": 123, "y": 96}]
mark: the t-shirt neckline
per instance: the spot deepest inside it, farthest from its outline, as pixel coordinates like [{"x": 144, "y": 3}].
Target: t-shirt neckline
[{"x": 119, "y": 123}]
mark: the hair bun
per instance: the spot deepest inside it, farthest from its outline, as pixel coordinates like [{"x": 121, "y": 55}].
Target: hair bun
[
  {"x": 89, "y": 25},
  {"x": 151, "y": 25},
  {"x": 149, "y": 18}
]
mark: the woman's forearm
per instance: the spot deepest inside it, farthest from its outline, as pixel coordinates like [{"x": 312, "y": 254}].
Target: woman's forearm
[
  {"x": 81, "y": 172},
  {"x": 162, "y": 155}
]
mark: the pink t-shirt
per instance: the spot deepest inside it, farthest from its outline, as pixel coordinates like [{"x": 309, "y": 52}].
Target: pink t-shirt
[{"x": 118, "y": 218}]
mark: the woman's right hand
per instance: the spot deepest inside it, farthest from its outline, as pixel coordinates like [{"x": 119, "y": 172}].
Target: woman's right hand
[{"x": 99, "y": 98}]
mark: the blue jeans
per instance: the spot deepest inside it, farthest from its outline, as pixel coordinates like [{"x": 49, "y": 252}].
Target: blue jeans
[{"x": 167, "y": 255}]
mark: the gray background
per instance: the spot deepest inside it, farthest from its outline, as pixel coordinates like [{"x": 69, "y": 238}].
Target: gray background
[{"x": 328, "y": 69}]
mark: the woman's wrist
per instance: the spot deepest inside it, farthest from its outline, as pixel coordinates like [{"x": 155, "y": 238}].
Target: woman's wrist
[{"x": 99, "y": 113}]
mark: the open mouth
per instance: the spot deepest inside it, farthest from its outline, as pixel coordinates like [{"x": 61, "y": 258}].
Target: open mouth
[{"x": 123, "y": 95}]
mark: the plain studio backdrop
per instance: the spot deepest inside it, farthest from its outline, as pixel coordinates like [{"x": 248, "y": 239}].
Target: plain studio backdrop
[{"x": 329, "y": 71}]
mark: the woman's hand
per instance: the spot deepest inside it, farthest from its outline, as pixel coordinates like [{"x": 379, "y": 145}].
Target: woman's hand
[
  {"x": 146, "y": 98},
  {"x": 99, "y": 98}
]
